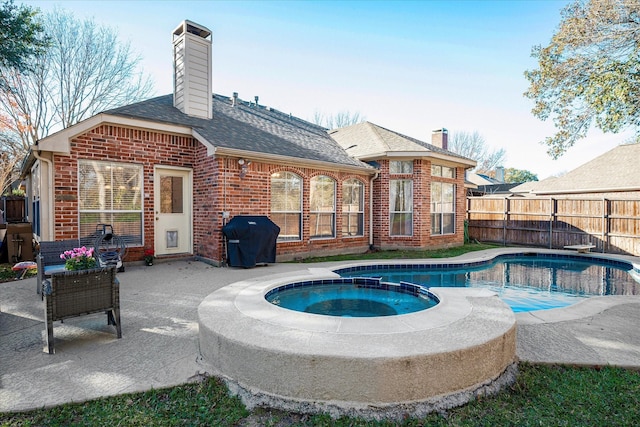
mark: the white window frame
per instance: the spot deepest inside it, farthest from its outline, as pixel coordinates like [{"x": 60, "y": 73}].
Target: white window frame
[
  {"x": 393, "y": 213},
  {"x": 437, "y": 209},
  {"x": 129, "y": 239},
  {"x": 287, "y": 176},
  {"x": 400, "y": 167},
  {"x": 319, "y": 213},
  {"x": 443, "y": 171},
  {"x": 348, "y": 209}
]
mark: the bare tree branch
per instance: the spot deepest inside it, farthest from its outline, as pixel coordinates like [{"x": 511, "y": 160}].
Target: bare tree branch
[
  {"x": 474, "y": 146},
  {"x": 339, "y": 120},
  {"x": 84, "y": 70}
]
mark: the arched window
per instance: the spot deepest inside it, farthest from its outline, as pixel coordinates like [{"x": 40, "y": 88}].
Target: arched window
[
  {"x": 352, "y": 208},
  {"x": 322, "y": 207},
  {"x": 286, "y": 204}
]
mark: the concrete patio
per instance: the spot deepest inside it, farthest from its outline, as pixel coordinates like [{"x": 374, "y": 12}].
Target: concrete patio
[{"x": 159, "y": 347}]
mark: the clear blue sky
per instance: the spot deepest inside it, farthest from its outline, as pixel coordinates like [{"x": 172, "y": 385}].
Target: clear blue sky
[{"x": 408, "y": 66}]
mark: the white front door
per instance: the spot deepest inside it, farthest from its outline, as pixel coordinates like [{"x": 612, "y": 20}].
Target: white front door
[{"x": 172, "y": 208}]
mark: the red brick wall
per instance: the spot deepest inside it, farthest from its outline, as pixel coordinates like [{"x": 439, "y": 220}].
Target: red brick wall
[
  {"x": 219, "y": 187},
  {"x": 421, "y": 238},
  {"x": 250, "y": 195},
  {"x": 118, "y": 144}
]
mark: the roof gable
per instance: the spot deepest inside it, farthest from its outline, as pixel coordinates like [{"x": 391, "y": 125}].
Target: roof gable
[{"x": 369, "y": 141}]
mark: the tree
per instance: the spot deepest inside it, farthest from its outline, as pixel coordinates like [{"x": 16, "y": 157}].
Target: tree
[
  {"x": 512, "y": 175},
  {"x": 338, "y": 120},
  {"x": 473, "y": 146},
  {"x": 590, "y": 72},
  {"x": 21, "y": 35},
  {"x": 84, "y": 70}
]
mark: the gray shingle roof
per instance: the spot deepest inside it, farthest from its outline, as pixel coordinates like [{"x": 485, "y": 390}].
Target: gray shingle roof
[
  {"x": 368, "y": 139},
  {"x": 617, "y": 169},
  {"x": 247, "y": 127}
]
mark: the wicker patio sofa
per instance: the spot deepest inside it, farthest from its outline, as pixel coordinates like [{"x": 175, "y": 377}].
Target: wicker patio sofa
[
  {"x": 75, "y": 293},
  {"x": 48, "y": 259}
]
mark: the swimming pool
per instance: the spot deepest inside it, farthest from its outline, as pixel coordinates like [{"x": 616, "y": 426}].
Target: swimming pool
[
  {"x": 526, "y": 282},
  {"x": 352, "y": 297}
]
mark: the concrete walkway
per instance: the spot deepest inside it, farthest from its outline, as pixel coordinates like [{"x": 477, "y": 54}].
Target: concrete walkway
[{"x": 159, "y": 346}]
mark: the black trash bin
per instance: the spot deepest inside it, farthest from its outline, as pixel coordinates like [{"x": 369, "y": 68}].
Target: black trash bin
[{"x": 251, "y": 240}]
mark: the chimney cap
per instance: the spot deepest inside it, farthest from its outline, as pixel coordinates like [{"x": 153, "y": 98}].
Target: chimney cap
[{"x": 191, "y": 27}]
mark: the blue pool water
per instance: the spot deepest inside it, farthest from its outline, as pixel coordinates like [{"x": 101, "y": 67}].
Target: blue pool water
[
  {"x": 524, "y": 282},
  {"x": 352, "y": 298}
]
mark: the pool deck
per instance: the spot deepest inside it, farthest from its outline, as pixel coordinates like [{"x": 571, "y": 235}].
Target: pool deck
[{"x": 159, "y": 345}]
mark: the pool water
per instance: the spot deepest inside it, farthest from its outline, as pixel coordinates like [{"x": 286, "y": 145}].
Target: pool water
[
  {"x": 525, "y": 283},
  {"x": 352, "y": 300}
]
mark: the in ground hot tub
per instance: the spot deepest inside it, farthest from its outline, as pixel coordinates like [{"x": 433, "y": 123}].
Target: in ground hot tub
[{"x": 372, "y": 367}]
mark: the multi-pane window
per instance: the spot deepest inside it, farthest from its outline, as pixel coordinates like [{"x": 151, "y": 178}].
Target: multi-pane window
[
  {"x": 322, "y": 206},
  {"x": 286, "y": 204},
  {"x": 443, "y": 214},
  {"x": 352, "y": 208},
  {"x": 398, "y": 167},
  {"x": 400, "y": 207},
  {"x": 443, "y": 171},
  {"x": 110, "y": 193}
]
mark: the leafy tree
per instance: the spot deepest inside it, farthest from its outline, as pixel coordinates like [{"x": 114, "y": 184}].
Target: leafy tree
[
  {"x": 21, "y": 36},
  {"x": 589, "y": 73},
  {"x": 512, "y": 175},
  {"x": 474, "y": 146},
  {"x": 84, "y": 70},
  {"x": 338, "y": 120}
]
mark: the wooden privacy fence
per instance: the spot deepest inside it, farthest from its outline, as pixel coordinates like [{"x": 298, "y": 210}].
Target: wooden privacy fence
[{"x": 612, "y": 225}]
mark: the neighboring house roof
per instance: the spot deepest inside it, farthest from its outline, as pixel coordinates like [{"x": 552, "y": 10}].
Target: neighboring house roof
[
  {"x": 503, "y": 188},
  {"x": 368, "y": 141},
  {"x": 526, "y": 187},
  {"x": 480, "y": 179},
  {"x": 244, "y": 129},
  {"x": 616, "y": 170}
]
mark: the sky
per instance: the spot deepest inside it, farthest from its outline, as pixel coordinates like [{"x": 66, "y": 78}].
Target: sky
[{"x": 411, "y": 67}]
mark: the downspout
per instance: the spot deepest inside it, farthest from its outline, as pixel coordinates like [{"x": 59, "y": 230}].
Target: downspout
[
  {"x": 50, "y": 188},
  {"x": 374, "y": 177}
]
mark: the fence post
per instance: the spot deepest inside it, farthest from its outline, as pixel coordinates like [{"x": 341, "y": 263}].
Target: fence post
[
  {"x": 505, "y": 221},
  {"x": 551, "y": 216},
  {"x": 606, "y": 224}
]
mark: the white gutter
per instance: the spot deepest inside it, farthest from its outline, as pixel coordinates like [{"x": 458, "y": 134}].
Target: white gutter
[
  {"x": 50, "y": 188},
  {"x": 286, "y": 160},
  {"x": 453, "y": 160}
]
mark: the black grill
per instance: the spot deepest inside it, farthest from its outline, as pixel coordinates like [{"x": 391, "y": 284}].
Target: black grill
[{"x": 251, "y": 240}]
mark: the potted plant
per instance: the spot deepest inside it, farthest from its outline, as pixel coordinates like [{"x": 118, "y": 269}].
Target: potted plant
[
  {"x": 78, "y": 259},
  {"x": 148, "y": 256}
]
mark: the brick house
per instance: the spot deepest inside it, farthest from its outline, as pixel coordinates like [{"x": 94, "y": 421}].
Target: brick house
[{"x": 167, "y": 173}]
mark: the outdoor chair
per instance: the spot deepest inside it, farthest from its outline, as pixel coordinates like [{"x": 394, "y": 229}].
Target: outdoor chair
[
  {"x": 75, "y": 293},
  {"x": 48, "y": 258}
]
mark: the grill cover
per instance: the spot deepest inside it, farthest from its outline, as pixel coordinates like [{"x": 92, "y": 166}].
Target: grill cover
[{"x": 251, "y": 240}]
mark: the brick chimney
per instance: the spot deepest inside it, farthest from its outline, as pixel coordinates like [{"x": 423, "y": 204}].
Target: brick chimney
[
  {"x": 440, "y": 138},
  {"x": 192, "y": 76}
]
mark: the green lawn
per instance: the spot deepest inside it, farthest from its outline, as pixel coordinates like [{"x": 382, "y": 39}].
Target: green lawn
[
  {"x": 542, "y": 396},
  {"x": 406, "y": 254}
]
